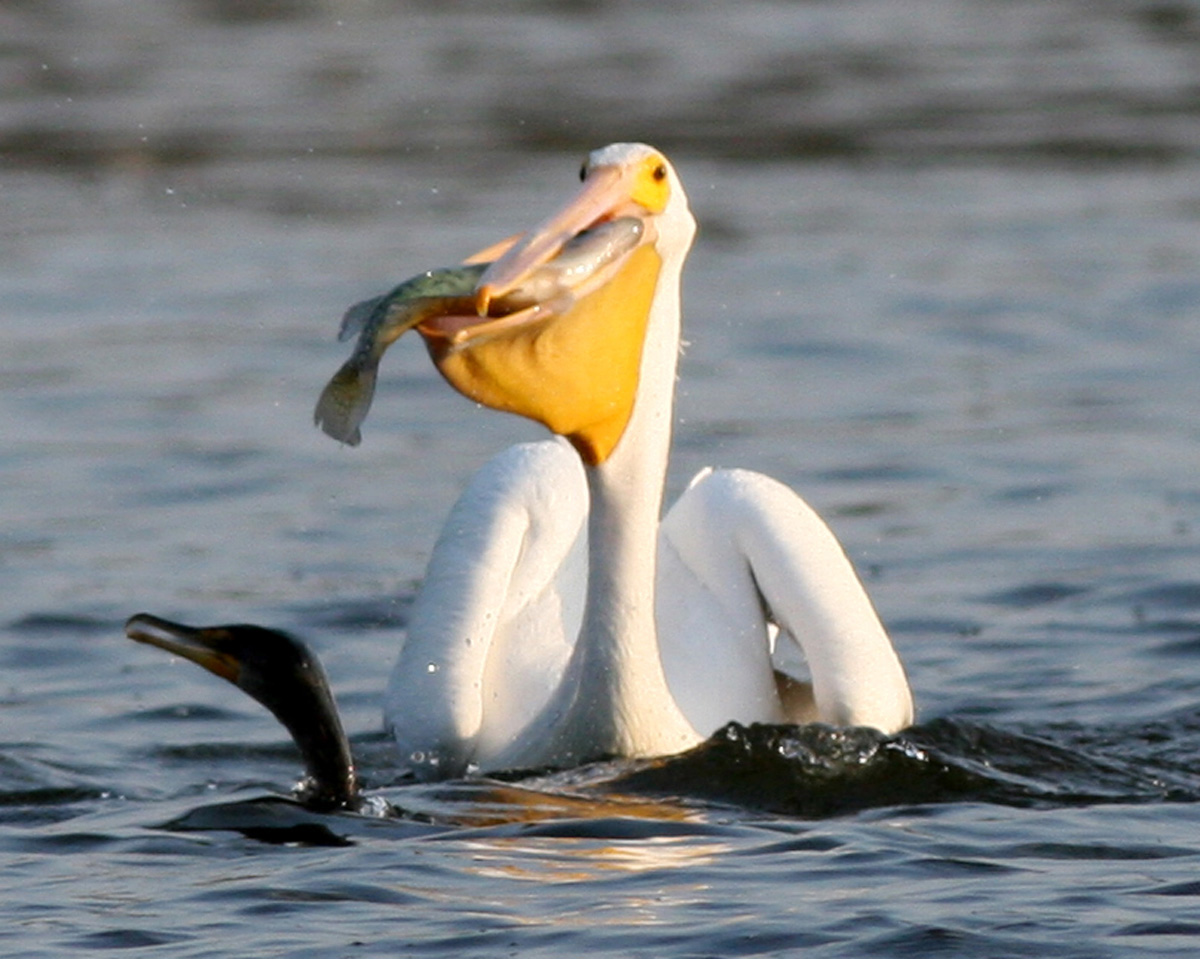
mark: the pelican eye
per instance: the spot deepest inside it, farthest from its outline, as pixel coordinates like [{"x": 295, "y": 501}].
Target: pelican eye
[{"x": 660, "y": 173}]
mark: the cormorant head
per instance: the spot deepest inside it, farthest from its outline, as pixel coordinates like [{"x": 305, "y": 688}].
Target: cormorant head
[{"x": 281, "y": 673}]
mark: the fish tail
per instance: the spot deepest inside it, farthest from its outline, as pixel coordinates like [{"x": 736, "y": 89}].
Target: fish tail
[{"x": 346, "y": 400}]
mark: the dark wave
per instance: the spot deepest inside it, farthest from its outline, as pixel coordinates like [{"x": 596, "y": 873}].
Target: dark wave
[
  {"x": 807, "y": 772},
  {"x": 816, "y": 770}
]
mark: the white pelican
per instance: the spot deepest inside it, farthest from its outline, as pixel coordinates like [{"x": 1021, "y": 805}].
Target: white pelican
[{"x": 560, "y": 620}]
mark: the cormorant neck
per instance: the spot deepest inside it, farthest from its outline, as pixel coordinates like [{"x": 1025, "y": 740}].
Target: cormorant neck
[
  {"x": 280, "y": 672},
  {"x": 330, "y": 779}
]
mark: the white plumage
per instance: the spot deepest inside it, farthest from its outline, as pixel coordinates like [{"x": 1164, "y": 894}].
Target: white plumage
[{"x": 560, "y": 620}]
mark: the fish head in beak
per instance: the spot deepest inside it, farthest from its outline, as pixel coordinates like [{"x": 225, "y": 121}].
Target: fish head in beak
[{"x": 562, "y": 314}]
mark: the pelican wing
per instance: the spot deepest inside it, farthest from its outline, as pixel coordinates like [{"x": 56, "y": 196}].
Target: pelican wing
[
  {"x": 497, "y": 614},
  {"x": 741, "y": 554}
]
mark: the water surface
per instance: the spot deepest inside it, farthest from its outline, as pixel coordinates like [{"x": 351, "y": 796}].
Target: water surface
[{"x": 946, "y": 286}]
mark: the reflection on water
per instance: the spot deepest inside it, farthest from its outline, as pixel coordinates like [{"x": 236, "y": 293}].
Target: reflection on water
[
  {"x": 578, "y": 859},
  {"x": 489, "y": 803}
]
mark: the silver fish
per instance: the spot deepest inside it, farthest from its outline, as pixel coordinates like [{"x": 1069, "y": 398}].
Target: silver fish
[{"x": 380, "y": 321}]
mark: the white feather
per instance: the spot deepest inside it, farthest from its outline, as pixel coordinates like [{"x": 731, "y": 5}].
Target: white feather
[{"x": 560, "y": 620}]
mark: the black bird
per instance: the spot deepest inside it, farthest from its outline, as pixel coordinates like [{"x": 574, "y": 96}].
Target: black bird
[{"x": 280, "y": 672}]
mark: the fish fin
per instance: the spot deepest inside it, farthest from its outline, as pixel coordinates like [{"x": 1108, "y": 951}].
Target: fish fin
[
  {"x": 356, "y": 317},
  {"x": 493, "y": 252},
  {"x": 345, "y": 402}
]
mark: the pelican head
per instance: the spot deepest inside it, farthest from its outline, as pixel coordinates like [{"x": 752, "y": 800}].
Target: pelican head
[{"x": 573, "y": 361}]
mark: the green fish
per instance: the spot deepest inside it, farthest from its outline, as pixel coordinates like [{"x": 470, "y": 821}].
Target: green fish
[{"x": 380, "y": 321}]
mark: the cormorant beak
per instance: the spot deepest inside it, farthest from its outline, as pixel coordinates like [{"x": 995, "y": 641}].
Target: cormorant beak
[{"x": 198, "y": 645}]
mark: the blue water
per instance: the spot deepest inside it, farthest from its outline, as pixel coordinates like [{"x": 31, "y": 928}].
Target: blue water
[{"x": 947, "y": 286}]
